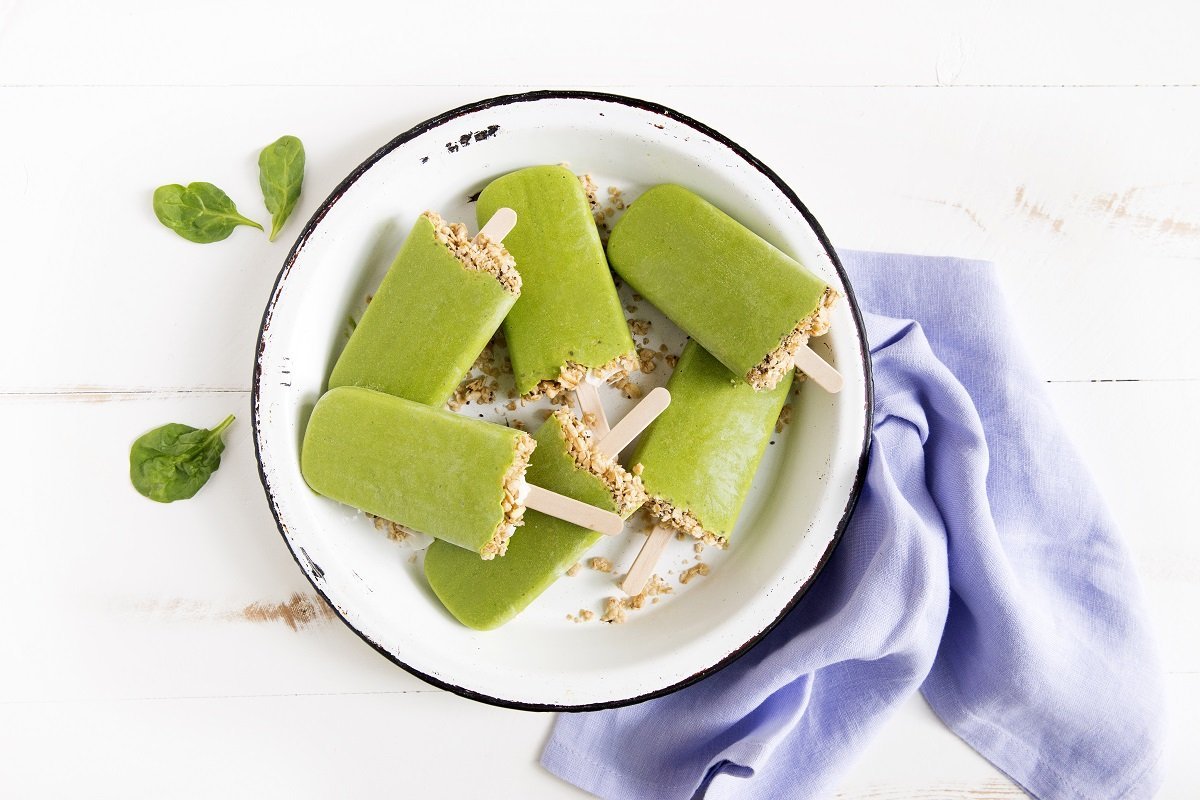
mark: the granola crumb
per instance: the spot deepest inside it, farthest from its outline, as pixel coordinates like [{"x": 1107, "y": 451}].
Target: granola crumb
[
  {"x": 473, "y": 390},
  {"x": 637, "y": 468},
  {"x": 768, "y": 372},
  {"x": 628, "y": 388},
  {"x": 692, "y": 572},
  {"x": 683, "y": 521},
  {"x": 514, "y": 511},
  {"x": 626, "y": 489},
  {"x": 394, "y": 530},
  {"x": 639, "y": 327},
  {"x": 486, "y": 360},
  {"x": 480, "y": 254},
  {"x": 616, "y": 608},
  {"x": 614, "y": 611},
  {"x": 517, "y": 424},
  {"x": 511, "y": 405},
  {"x": 671, "y": 360},
  {"x": 574, "y": 569},
  {"x": 698, "y": 548},
  {"x": 646, "y": 359},
  {"x": 591, "y": 189},
  {"x": 590, "y": 419},
  {"x": 572, "y": 374},
  {"x": 600, "y": 564},
  {"x": 785, "y": 417},
  {"x": 657, "y": 586}
]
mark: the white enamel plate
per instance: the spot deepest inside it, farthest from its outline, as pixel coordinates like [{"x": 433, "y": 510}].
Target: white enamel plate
[{"x": 803, "y": 491}]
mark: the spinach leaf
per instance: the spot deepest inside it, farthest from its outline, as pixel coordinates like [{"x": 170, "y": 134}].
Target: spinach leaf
[
  {"x": 174, "y": 461},
  {"x": 281, "y": 174},
  {"x": 199, "y": 212}
]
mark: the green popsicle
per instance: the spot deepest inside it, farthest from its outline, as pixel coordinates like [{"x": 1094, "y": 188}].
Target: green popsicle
[
  {"x": 699, "y": 457},
  {"x": 743, "y": 300},
  {"x": 446, "y": 475},
  {"x": 485, "y": 596},
  {"x": 568, "y": 320},
  {"x": 441, "y": 301}
]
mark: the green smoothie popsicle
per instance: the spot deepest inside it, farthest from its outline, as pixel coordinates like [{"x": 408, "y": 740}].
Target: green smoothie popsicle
[
  {"x": 441, "y": 301},
  {"x": 744, "y": 301},
  {"x": 485, "y": 596},
  {"x": 568, "y": 324},
  {"x": 446, "y": 475},
  {"x": 699, "y": 457}
]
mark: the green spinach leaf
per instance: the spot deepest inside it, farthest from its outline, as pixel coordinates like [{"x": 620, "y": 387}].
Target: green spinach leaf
[
  {"x": 281, "y": 175},
  {"x": 174, "y": 461},
  {"x": 199, "y": 212}
]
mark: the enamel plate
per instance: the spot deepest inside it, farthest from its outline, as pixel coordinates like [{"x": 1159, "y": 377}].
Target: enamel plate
[{"x": 553, "y": 656}]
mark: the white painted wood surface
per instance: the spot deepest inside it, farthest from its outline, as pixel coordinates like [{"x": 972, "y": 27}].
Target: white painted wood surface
[{"x": 174, "y": 650}]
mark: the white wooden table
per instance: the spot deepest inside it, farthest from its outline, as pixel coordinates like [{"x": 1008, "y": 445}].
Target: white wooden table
[{"x": 148, "y": 650}]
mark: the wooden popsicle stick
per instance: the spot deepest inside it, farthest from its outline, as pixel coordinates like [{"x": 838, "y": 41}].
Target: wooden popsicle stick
[
  {"x": 634, "y": 422},
  {"x": 500, "y": 225},
  {"x": 571, "y": 510},
  {"x": 647, "y": 559},
  {"x": 587, "y": 394},
  {"x": 819, "y": 370}
]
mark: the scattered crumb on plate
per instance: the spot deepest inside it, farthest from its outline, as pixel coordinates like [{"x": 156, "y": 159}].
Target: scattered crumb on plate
[
  {"x": 692, "y": 572},
  {"x": 616, "y": 609},
  {"x": 473, "y": 390}
]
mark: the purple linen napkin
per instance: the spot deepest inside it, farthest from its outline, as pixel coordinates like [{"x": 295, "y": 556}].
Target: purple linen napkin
[{"x": 979, "y": 567}]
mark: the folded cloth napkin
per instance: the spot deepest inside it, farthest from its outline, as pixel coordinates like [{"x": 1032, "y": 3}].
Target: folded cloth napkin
[{"x": 980, "y": 567}]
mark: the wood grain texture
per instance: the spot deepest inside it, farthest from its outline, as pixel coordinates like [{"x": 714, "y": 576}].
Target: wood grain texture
[
  {"x": 934, "y": 43},
  {"x": 428, "y": 744},
  {"x": 953, "y": 177},
  {"x": 175, "y": 625}
]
